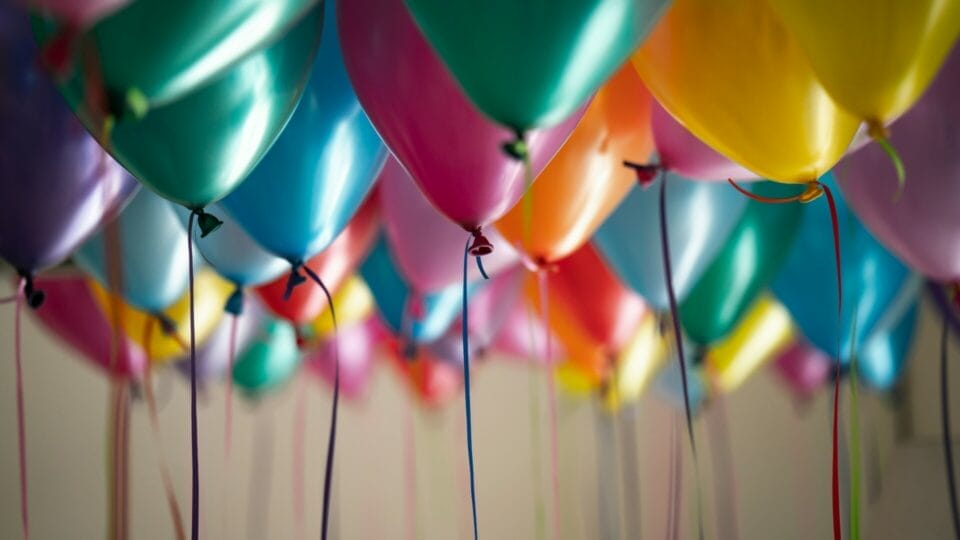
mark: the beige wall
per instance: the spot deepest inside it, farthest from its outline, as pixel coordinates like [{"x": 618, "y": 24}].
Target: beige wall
[{"x": 781, "y": 460}]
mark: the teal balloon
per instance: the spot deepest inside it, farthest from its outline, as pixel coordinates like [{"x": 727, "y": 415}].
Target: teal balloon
[
  {"x": 270, "y": 361},
  {"x": 874, "y": 281},
  {"x": 156, "y": 51},
  {"x": 313, "y": 180},
  {"x": 747, "y": 263},
  {"x": 393, "y": 297},
  {"x": 152, "y": 254},
  {"x": 700, "y": 218},
  {"x": 532, "y": 63},
  {"x": 233, "y": 253},
  {"x": 196, "y": 149},
  {"x": 882, "y": 359}
]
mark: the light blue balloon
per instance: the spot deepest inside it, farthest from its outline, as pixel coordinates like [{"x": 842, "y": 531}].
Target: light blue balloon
[
  {"x": 270, "y": 362},
  {"x": 392, "y": 294},
  {"x": 880, "y": 362},
  {"x": 669, "y": 382},
  {"x": 873, "y": 280},
  {"x": 700, "y": 217},
  {"x": 153, "y": 253},
  {"x": 233, "y": 253},
  {"x": 314, "y": 178}
]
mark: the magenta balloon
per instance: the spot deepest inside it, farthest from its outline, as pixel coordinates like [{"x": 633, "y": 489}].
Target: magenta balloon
[
  {"x": 803, "y": 368},
  {"x": 923, "y": 227},
  {"x": 72, "y": 313},
  {"x": 450, "y": 149},
  {"x": 358, "y": 349},
  {"x": 76, "y": 12},
  {"x": 426, "y": 245},
  {"x": 683, "y": 153}
]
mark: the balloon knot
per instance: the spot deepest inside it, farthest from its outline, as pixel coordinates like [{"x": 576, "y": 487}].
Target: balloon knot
[
  {"x": 409, "y": 350},
  {"x": 207, "y": 222},
  {"x": 481, "y": 246},
  {"x": 295, "y": 278},
  {"x": 416, "y": 306},
  {"x": 55, "y": 55},
  {"x": 646, "y": 174},
  {"x": 517, "y": 148},
  {"x": 877, "y": 130},
  {"x": 234, "y": 304},
  {"x": 167, "y": 326},
  {"x": 812, "y": 192},
  {"x": 34, "y": 296}
]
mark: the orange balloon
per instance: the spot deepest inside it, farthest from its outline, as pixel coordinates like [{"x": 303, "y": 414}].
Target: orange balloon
[{"x": 586, "y": 180}]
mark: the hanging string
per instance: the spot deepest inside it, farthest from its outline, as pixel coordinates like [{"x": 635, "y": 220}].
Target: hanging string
[
  {"x": 261, "y": 475},
  {"x": 551, "y": 404},
  {"x": 630, "y": 474},
  {"x": 678, "y": 337},
  {"x": 854, "y": 440},
  {"x": 118, "y": 441},
  {"x": 299, "y": 460},
  {"x": 332, "y": 438},
  {"x": 171, "y": 495},
  {"x": 534, "y": 414},
  {"x": 228, "y": 405},
  {"x": 726, "y": 484},
  {"x": 464, "y": 337},
  {"x": 194, "y": 442},
  {"x": 21, "y": 431},
  {"x": 410, "y": 471},
  {"x": 672, "y": 481},
  {"x": 879, "y": 133},
  {"x": 947, "y": 438}
]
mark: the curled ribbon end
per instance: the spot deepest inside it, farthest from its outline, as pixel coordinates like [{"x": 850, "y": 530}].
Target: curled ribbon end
[
  {"x": 207, "y": 222},
  {"x": 646, "y": 174}
]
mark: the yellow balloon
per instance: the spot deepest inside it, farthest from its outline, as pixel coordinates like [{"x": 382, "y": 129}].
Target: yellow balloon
[
  {"x": 353, "y": 302},
  {"x": 874, "y": 57},
  {"x": 572, "y": 379},
  {"x": 210, "y": 295},
  {"x": 640, "y": 360},
  {"x": 765, "y": 331},
  {"x": 730, "y": 72}
]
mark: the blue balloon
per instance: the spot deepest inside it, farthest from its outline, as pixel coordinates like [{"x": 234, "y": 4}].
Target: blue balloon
[
  {"x": 152, "y": 253},
  {"x": 233, "y": 253},
  {"x": 392, "y": 294},
  {"x": 669, "y": 382},
  {"x": 700, "y": 217},
  {"x": 873, "y": 280},
  {"x": 311, "y": 182},
  {"x": 881, "y": 361}
]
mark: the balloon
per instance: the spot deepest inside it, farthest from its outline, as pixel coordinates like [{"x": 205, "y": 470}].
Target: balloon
[
  {"x": 394, "y": 298},
  {"x": 749, "y": 260},
  {"x": 432, "y": 381},
  {"x": 449, "y": 148},
  {"x": 803, "y": 368},
  {"x": 213, "y": 355},
  {"x": 155, "y": 51},
  {"x": 875, "y": 284},
  {"x": 210, "y": 294},
  {"x": 195, "y": 163},
  {"x": 669, "y": 383},
  {"x": 682, "y": 153},
  {"x": 523, "y": 335},
  {"x": 354, "y": 304},
  {"x": 528, "y": 64},
  {"x": 333, "y": 266},
  {"x": 270, "y": 361},
  {"x": 766, "y": 330},
  {"x": 874, "y": 57},
  {"x": 151, "y": 253},
  {"x": 700, "y": 217},
  {"x": 637, "y": 364},
  {"x": 357, "y": 348},
  {"x": 56, "y": 185},
  {"x": 309, "y": 185},
  {"x": 76, "y": 12},
  {"x": 232, "y": 253},
  {"x": 572, "y": 380},
  {"x": 882, "y": 359},
  {"x": 586, "y": 180},
  {"x": 72, "y": 313},
  {"x": 730, "y": 73},
  {"x": 425, "y": 244},
  {"x": 922, "y": 227}
]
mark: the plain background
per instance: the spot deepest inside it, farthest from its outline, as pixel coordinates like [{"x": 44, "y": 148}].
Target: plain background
[{"x": 780, "y": 449}]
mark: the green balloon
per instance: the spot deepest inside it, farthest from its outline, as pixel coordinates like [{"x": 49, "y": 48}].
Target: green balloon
[
  {"x": 198, "y": 148},
  {"x": 270, "y": 361},
  {"x": 749, "y": 260},
  {"x": 158, "y": 50},
  {"x": 531, "y": 63}
]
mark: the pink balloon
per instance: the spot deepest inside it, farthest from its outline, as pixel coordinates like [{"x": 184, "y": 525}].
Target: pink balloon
[
  {"x": 425, "y": 245},
  {"x": 683, "y": 153},
  {"x": 77, "y": 12},
  {"x": 450, "y": 149},
  {"x": 923, "y": 226},
  {"x": 71, "y": 312},
  {"x": 358, "y": 346},
  {"x": 523, "y": 337},
  {"x": 803, "y": 368}
]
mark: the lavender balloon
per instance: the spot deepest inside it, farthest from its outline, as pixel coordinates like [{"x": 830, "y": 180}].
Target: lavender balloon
[
  {"x": 923, "y": 227},
  {"x": 56, "y": 184}
]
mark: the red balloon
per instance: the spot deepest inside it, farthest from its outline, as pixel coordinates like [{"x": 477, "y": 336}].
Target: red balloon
[
  {"x": 432, "y": 381},
  {"x": 333, "y": 265}
]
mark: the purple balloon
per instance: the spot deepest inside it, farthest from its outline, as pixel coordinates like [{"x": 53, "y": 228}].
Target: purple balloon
[
  {"x": 803, "y": 368},
  {"x": 213, "y": 355},
  {"x": 357, "y": 349},
  {"x": 56, "y": 184},
  {"x": 923, "y": 227}
]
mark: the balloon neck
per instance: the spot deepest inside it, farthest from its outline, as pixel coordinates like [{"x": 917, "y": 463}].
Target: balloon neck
[
  {"x": 877, "y": 130},
  {"x": 481, "y": 245},
  {"x": 646, "y": 173},
  {"x": 812, "y": 192},
  {"x": 517, "y": 147},
  {"x": 207, "y": 222},
  {"x": 31, "y": 294},
  {"x": 167, "y": 326},
  {"x": 234, "y": 304},
  {"x": 295, "y": 278},
  {"x": 408, "y": 350}
]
